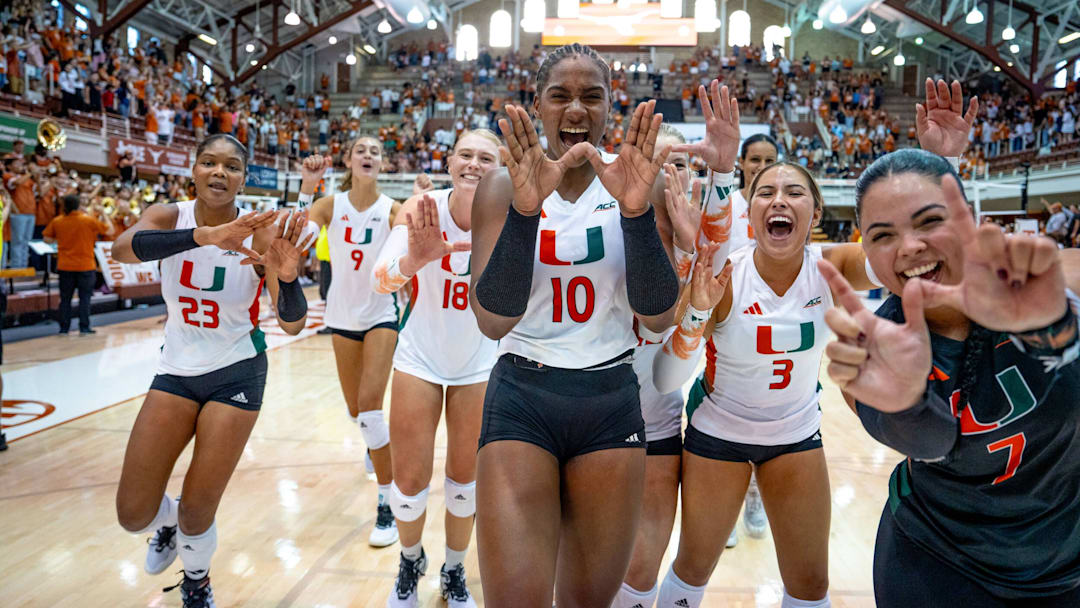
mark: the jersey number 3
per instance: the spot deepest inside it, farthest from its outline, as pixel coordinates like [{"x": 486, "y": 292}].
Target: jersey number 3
[
  {"x": 782, "y": 371},
  {"x": 209, "y": 311}
]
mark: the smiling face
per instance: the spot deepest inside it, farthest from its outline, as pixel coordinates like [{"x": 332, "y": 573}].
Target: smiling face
[
  {"x": 219, "y": 173},
  {"x": 682, "y": 167},
  {"x": 758, "y": 155},
  {"x": 783, "y": 210},
  {"x": 366, "y": 160},
  {"x": 574, "y": 104},
  {"x": 474, "y": 155},
  {"x": 903, "y": 220}
]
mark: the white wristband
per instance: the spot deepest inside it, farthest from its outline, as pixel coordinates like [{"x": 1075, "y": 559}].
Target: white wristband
[
  {"x": 305, "y": 199},
  {"x": 870, "y": 274},
  {"x": 697, "y": 315}
]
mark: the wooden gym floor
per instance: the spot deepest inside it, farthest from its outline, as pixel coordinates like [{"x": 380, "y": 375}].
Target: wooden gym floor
[{"x": 293, "y": 525}]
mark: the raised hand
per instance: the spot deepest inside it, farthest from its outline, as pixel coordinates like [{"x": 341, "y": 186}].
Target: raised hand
[
  {"x": 882, "y": 364},
  {"x": 426, "y": 242},
  {"x": 707, "y": 290},
  {"x": 312, "y": 170},
  {"x": 422, "y": 184},
  {"x": 942, "y": 125},
  {"x": 282, "y": 257},
  {"x": 1011, "y": 282},
  {"x": 629, "y": 178},
  {"x": 231, "y": 236},
  {"x": 533, "y": 174},
  {"x": 721, "y": 143},
  {"x": 685, "y": 216}
]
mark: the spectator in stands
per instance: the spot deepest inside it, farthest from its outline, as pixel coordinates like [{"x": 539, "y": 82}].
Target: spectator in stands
[
  {"x": 20, "y": 183},
  {"x": 126, "y": 166},
  {"x": 75, "y": 233}
]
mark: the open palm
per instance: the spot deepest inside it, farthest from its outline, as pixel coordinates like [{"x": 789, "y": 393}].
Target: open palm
[
  {"x": 629, "y": 178},
  {"x": 283, "y": 255},
  {"x": 941, "y": 124},
  {"x": 533, "y": 174},
  {"x": 684, "y": 215},
  {"x": 231, "y": 236},
  {"x": 721, "y": 143},
  {"x": 878, "y": 362},
  {"x": 1011, "y": 283},
  {"x": 426, "y": 242}
]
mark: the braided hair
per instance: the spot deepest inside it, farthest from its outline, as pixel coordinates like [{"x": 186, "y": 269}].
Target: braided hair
[
  {"x": 565, "y": 52},
  {"x": 977, "y": 343}
]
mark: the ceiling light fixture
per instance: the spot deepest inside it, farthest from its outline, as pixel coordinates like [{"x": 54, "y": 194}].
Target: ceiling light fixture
[
  {"x": 838, "y": 15},
  {"x": 818, "y": 24},
  {"x": 1069, "y": 38},
  {"x": 877, "y": 50},
  {"x": 370, "y": 50},
  {"x": 384, "y": 27},
  {"x": 415, "y": 16},
  {"x": 250, "y": 47},
  {"x": 350, "y": 59},
  {"x": 975, "y": 16},
  {"x": 1014, "y": 48},
  {"x": 333, "y": 40},
  {"x": 292, "y": 18},
  {"x": 432, "y": 24},
  {"x": 868, "y": 26},
  {"x": 919, "y": 40},
  {"x": 207, "y": 39}
]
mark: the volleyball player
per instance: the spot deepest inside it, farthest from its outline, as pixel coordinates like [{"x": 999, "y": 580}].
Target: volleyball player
[
  {"x": 566, "y": 255},
  {"x": 766, "y": 334},
  {"x": 756, "y": 152},
  {"x": 442, "y": 354},
  {"x": 212, "y": 369},
  {"x": 364, "y": 324},
  {"x": 971, "y": 373}
]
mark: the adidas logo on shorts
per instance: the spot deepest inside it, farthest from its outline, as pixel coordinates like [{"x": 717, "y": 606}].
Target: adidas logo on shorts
[
  {"x": 816, "y": 437},
  {"x": 239, "y": 398},
  {"x": 632, "y": 438},
  {"x": 683, "y": 602},
  {"x": 459, "y": 497},
  {"x": 637, "y": 605}
]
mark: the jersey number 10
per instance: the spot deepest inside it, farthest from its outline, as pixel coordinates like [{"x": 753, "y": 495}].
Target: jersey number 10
[{"x": 577, "y": 314}]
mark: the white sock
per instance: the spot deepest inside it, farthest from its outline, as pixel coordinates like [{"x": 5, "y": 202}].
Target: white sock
[
  {"x": 673, "y": 591},
  {"x": 628, "y": 597},
  {"x": 384, "y": 492},
  {"x": 174, "y": 511},
  {"x": 790, "y": 602},
  {"x": 166, "y": 515},
  {"x": 453, "y": 558},
  {"x": 196, "y": 551},
  {"x": 414, "y": 552}
]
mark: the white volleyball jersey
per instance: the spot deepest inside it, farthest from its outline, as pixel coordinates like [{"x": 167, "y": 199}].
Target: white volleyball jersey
[
  {"x": 213, "y": 307},
  {"x": 355, "y": 238},
  {"x": 441, "y": 341},
  {"x": 662, "y": 413},
  {"x": 762, "y": 361},
  {"x": 578, "y": 313},
  {"x": 742, "y": 234}
]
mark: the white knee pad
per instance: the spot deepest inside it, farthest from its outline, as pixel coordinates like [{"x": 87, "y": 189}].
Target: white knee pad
[
  {"x": 407, "y": 508},
  {"x": 460, "y": 498},
  {"x": 373, "y": 428}
]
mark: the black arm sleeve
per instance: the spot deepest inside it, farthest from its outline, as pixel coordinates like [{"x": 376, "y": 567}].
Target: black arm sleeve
[
  {"x": 291, "y": 303},
  {"x": 506, "y": 282},
  {"x": 651, "y": 283},
  {"x": 926, "y": 431},
  {"x": 149, "y": 245}
]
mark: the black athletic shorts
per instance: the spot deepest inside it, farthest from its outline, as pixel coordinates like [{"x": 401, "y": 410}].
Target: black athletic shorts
[
  {"x": 672, "y": 446},
  {"x": 907, "y": 575},
  {"x": 360, "y": 335},
  {"x": 707, "y": 446},
  {"x": 568, "y": 412},
  {"x": 240, "y": 384}
]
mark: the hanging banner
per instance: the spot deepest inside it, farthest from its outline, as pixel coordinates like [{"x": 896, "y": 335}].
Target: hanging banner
[
  {"x": 150, "y": 158},
  {"x": 120, "y": 275},
  {"x": 261, "y": 177},
  {"x": 12, "y": 128},
  {"x": 1027, "y": 226}
]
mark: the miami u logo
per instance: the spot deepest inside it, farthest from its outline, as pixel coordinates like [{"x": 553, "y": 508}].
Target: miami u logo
[
  {"x": 348, "y": 236},
  {"x": 446, "y": 263},
  {"x": 593, "y": 236},
  {"x": 765, "y": 343},
  {"x": 185, "y": 277},
  {"x": 1021, "y": 403}
]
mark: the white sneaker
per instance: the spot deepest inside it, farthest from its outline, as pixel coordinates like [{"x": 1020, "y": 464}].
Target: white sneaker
[
  {"x": 409, "y": 572},
  {"x": 384, "y": 533},
  {"x": 754, "y": 515},
  {"x": 732, "y": 540},
  {"x": 162, "y": 551},
  {"x": 452, "y": 586}
]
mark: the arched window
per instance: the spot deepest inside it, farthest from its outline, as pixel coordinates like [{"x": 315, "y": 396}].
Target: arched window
[
  {"x": 501, "y": 31},
  {"x": 467, "y": 45},
  {"x": 739, "y": 29},
  {"x": 774, "y": 36}
]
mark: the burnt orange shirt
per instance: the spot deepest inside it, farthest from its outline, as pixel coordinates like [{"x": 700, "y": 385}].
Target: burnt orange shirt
[
  {"x": 22, "y": 194},
  {"x": 75, "y": 234},
  {"x": 225, "y": 121},
  {"x": 46, "y": 209}
]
